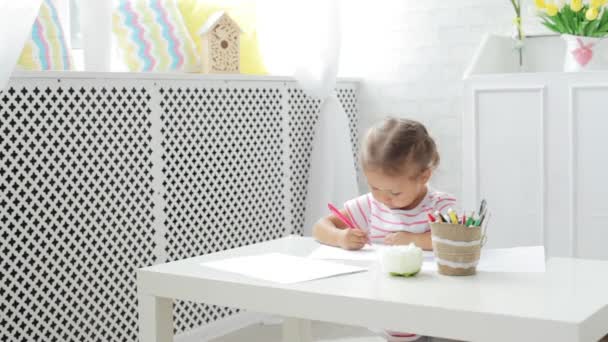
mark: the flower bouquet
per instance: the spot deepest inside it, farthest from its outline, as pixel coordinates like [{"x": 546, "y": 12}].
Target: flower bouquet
[{"x": 582, "y": 25}]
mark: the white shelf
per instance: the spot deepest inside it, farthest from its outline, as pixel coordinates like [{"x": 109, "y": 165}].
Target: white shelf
[
  {"x": 159, "y": 76},
  {"x": 497, "y": 55}
]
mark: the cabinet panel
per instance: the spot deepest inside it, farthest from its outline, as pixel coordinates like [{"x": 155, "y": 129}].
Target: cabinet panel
[
  {"x": 510, "y": 163},
  {"x": 590, "y": 197}
]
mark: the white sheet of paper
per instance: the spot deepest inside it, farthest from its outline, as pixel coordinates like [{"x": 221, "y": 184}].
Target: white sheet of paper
[
  {"x": 282, "y": 268},
  {"x": 367, "y": 253},
  {"x": 429, "y": 265},
  {"x": 516, "y": 259}
]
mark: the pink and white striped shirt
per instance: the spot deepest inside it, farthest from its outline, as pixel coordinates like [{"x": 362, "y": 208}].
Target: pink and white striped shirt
[{"x": 380, "y": 220}]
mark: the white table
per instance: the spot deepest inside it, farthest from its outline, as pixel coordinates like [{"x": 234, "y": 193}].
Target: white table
[{"x": 569, "y": 302}]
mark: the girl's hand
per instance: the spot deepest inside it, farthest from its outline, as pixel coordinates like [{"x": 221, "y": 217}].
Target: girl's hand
[
  {"x": 352, "y": 239},
  {"x": 398, "y": 238},
  {"x": 422, "y": 240}
]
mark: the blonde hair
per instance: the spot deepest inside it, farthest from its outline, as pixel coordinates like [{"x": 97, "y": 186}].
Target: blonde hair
[{"x": 397, "y": 146}]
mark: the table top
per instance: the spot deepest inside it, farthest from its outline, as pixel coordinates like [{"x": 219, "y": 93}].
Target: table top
[{"x": 568, "y": 302}]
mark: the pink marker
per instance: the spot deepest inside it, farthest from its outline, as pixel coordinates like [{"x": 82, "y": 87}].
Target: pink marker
[{"x": 343, "y": 218}]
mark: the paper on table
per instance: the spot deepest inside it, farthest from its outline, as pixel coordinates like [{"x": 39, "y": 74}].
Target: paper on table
[
  {"x": 367, "y": 253},
  {"x": 336, "y": 253},
  {"x": 282, "y": 268},
  {"x": 517, "y": 259}
]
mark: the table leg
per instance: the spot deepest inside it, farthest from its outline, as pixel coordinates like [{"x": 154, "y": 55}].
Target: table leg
[
  {"x": 296, "y": 330},
  {"x": 155, "y": 319}
]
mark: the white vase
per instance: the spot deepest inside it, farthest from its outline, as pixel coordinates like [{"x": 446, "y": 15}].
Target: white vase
[{"x": 584, "y": 53}]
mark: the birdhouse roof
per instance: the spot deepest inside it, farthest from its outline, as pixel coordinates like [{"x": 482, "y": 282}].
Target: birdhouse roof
[{"x": 214, "y": 20}]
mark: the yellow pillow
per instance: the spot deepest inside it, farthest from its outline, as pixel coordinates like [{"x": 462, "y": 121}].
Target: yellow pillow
[{"x": 196, "y": 12}]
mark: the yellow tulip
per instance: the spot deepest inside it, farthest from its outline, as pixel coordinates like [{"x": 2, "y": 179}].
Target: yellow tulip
[
  {"x": 577, "y": 5},
  {"x": 551, "y": 9},
  {"x": 592, "y": 13},
  {"x": 540, "y": 3},
  {"x": 595, "y": 4}
]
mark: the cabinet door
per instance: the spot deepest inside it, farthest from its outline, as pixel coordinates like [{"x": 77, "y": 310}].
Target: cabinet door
[
  {"x": 590, "y": 171},
  {"x": 509, "y": 163}
]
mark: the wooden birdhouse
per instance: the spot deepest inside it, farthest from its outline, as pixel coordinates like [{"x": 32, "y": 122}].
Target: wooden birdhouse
[{"x": 220, "y": 44}]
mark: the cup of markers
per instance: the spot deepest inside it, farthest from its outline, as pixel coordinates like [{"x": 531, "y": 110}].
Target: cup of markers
[{"x": 458, "y": 239}]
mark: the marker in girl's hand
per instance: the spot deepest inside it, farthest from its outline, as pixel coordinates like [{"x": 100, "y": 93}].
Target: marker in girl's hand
[{"x": 344, "y": 219}]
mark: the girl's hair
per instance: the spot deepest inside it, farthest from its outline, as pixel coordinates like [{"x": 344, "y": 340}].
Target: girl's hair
[{"x": 397, "y": 146}]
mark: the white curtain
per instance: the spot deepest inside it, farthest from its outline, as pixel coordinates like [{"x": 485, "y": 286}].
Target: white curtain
[
  {"x": 302, "y": 38},
  {"x": 16, "y": 19},
  {"x": 96, "y": 27}
]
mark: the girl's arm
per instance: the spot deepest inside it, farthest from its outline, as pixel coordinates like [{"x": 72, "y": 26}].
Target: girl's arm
[
  {"x": 422, "y": 240},
  {"x": 330, "y": 230}
]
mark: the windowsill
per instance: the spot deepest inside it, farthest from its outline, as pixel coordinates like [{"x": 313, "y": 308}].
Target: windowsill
[{"x": 158, "y": 75}]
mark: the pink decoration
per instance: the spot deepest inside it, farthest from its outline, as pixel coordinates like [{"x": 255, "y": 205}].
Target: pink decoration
[{"x": 583, "y": 53}]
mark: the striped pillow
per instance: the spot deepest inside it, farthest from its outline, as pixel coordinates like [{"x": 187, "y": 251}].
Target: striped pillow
[
  {"x": 151, "y": 36},
  {"x": 46, "y": 49}
]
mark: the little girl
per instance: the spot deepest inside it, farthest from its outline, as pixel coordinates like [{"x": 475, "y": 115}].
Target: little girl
[{"x": 398, "y": 158}]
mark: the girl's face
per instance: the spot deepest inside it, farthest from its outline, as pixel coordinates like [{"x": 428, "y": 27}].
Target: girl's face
[{"x": 397, "y": 191}]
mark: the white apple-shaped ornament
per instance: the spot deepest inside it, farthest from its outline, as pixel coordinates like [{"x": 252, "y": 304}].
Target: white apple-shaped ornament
[{"x": 404, "y": 260}]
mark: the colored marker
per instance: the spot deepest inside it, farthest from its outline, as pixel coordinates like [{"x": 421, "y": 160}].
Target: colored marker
[
  {"x": 470, "y": 220},
  {"x": 431, "y": 217},
  {"x": 479, "y": 220},
  {"x": 446, "y": 218},
  {"x": 439, "y": 217},
  {"x": 345, "y": 220},
  {"x": 482, "y": 206},
  {"x": 453, "y": 216}
]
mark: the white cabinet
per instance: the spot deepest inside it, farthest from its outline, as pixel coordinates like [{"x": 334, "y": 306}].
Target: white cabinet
[{"x": 535, "y": 146}]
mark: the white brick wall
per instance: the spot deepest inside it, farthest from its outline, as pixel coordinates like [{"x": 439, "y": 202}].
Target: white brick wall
[{"x": 411, "y": 56}]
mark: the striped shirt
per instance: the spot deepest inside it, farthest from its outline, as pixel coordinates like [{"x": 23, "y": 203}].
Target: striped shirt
[{"x": 379, "y": 220}]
